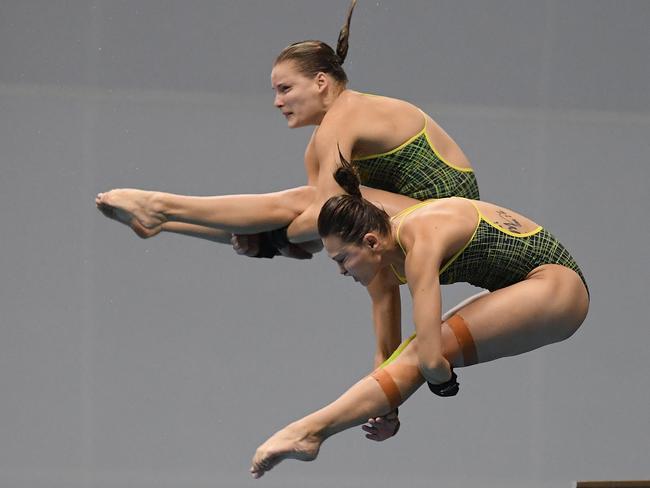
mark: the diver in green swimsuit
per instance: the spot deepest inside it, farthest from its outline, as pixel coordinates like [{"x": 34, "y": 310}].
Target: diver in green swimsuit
[
  {"x": 539, "y": 297},
  {"x": 397, "y": 147}
]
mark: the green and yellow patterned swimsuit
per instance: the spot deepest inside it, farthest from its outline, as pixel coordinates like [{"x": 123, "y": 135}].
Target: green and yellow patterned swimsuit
[
  {"x": 415, "y": 169},
  {"x": 494, "y": 258}
]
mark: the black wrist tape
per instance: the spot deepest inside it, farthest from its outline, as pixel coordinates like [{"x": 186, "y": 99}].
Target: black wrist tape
[
  {"x": 267, "y": 249},
  {"x": 446, "y": 389},
  {"x": 279, "y": 238}
]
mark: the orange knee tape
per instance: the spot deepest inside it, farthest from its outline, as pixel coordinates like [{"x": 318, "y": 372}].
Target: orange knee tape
[
  {"x": 388, "y": 385},
  {"x": 465, "y": 340}
]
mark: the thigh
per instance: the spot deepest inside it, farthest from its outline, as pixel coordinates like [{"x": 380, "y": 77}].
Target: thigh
[{"x": 547, "y": 307}]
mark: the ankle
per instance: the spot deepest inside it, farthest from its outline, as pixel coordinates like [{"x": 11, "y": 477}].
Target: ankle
[
  {"x": 307, "y": 430},
  {"x": 158, "y": 204}
]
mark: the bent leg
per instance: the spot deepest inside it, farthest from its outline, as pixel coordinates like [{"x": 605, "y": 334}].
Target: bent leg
[{"x": 545, "y": 308}]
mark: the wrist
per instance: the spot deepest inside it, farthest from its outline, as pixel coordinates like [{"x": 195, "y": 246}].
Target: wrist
[
  {"x": 446, "y": 389},
  {"x": 279, "y": 237}
]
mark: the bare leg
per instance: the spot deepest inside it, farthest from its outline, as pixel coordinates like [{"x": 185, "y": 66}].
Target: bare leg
[
  {"x": 202, "y": 232},
  {"x": 127, "y": 219},
  {"x": 302, "y": 439},
  {"x": 463, "y": 304},
  {"x": 545, "y": 308},
  {"x": 233, "y": 213},
  {"x": 243, "y": 214}
]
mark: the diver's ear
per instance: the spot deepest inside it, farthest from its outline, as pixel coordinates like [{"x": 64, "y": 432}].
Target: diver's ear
[
  {"x": 371, "y": 241},
  {"x": 321, "y": 80}
]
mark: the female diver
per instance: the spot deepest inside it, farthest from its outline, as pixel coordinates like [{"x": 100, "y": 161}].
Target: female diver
[
  {"x": 397, "y": 148},
  {"x": 538, "y": 296},
  {"x": 395, "y": 145}
]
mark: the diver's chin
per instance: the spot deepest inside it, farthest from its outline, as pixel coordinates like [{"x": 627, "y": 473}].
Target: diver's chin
[{"x": 361, "y": 281}]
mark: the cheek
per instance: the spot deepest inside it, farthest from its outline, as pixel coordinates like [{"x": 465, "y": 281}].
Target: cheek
[{"x": 360, "y": 266}]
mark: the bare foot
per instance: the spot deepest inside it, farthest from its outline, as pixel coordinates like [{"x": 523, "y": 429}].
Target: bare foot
[
  {"x": 139, "y": 203},
  {"x": 289, "y": 443},
  {"x": 127, "y": 219}
]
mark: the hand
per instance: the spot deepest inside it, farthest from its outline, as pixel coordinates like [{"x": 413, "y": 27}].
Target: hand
[
  {"x": 127, "y": 219},
  {"x": 295, "y": 251},
  {"x": 382, "y": 428},
  {"x": 246, "y": 244},
  {"x": 249, "y": 245}
]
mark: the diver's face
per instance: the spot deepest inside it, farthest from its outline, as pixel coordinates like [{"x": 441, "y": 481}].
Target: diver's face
[
  {"x": 360, "y": 261},
  {"x": 296, "y": 95}
]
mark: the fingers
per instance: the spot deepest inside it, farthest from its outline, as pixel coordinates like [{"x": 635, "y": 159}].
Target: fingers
[
  {"x": 296, "y": 252},
  {"x": 246, "y": 244},
  {"x": 381, "y": 428}
]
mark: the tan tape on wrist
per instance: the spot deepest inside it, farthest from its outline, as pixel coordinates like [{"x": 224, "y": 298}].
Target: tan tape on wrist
[
  {"x": 465, "y": 340},
  {"x": 389, "y": 387}
]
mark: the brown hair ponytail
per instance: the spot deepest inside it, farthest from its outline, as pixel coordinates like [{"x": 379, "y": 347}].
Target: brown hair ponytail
[
  {"x": 342, "y": 43},
  {"x": 351, "y": 216},
  {"x": 347, "y": 177},
  {"x": 313, "y": 57}
]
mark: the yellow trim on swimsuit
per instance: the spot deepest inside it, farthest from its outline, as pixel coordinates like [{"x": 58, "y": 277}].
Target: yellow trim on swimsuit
[
  {"x": 409, "y": 141},
  {"x": 397, "y": 352},
  {"x": 505, "y": 231},
  {"x": 403, "y": 213},
  {"x": 481, "y": 217}
]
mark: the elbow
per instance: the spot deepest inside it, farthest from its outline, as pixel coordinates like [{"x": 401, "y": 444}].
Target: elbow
[{"x": 435, "y": 370}]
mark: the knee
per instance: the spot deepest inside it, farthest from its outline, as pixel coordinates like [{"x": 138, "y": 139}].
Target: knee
[
  {"x": 577, "y": 316},
  {"x": 576, "y": 305},
  {"x": 296, "y": 199},
  {"x": 567, "y": 299}
]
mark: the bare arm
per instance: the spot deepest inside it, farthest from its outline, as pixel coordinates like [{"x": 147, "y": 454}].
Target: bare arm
[
  {"x": 386, "y": 316},
  {"x": 422, "y": 267},
  {"x": 323, "y": 154}
]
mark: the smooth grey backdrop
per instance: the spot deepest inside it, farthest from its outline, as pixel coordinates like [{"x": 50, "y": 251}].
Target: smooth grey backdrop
[{"x": 129, "y": 363}]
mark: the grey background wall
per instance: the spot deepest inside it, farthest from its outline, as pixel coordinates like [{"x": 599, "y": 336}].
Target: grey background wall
[{"x": 129, "y": 363}]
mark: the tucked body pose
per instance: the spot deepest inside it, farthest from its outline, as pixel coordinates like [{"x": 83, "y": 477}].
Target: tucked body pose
[
  {"x": 397, "y": 148},
  {"x": 538, "y": 296}
]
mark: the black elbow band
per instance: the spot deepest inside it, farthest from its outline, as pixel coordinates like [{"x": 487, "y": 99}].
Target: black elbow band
[{"x": 446, "y": 389}]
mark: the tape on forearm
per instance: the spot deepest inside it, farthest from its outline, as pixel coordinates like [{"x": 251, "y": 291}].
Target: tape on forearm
[{"x": 388, "y": 386}]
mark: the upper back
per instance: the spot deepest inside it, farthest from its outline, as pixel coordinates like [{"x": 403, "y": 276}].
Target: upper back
[{"x": 370, "y": 124}]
